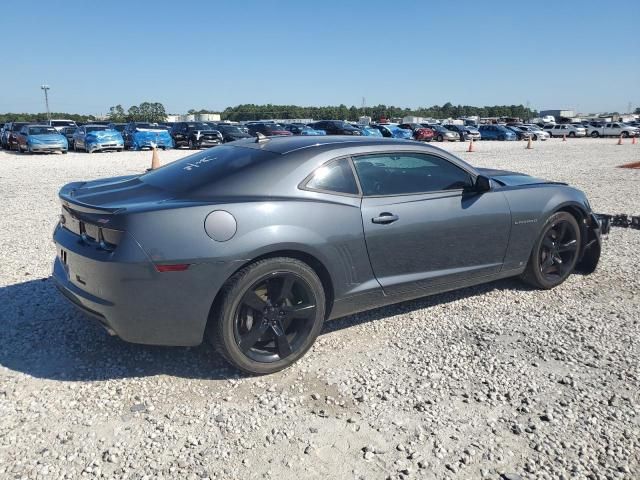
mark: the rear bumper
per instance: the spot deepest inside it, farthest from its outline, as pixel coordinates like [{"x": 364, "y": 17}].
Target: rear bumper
[{"x": 123, "y": 290}]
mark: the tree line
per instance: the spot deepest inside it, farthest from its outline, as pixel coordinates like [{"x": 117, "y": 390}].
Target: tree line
[
  {"x": 42, "y": 117},
  {"x": 342, "y": 112},
  {"x": 145, "y": 112}
]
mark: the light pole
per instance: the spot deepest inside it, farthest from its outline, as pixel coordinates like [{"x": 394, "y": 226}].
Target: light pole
[{"x": 45, "y": 88}]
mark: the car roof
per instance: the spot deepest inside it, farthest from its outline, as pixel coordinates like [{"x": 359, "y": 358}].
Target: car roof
[{"x": 287, "y": 144}]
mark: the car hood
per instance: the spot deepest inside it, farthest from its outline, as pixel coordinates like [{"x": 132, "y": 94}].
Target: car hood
[
  {"x": 104, "y": 135},
  {"x": 512, "y": 179}
]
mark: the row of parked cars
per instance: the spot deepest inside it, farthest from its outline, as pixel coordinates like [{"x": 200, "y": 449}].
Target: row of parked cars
[{"x": 64, "y": 135}]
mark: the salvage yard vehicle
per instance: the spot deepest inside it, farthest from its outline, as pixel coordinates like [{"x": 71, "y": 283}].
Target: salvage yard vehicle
[
  {"x": 268, "y": 129},
  {"x": 302, "y": 129},
  {"x": 613, "y": 129},
  {"x": 441, "y": 134},
  {"x": 10, "y": 134},
  {"x": 496, "y": 132},
  {"x": 230, "y": 133},
  {"x": 465, "y": 132},
  {"x": 335, "y": 127},
  {"x": 565, "y": 129},
  {"x": 538, "y": 133},
  {"x": 97, "y": 138},
  {"x": 41, "y": 139},
  {"x": 222, "y": 244},
  {"x": 68, "y": 134},
  {"x": 59, "y": 124},
  {"x": 195, "y": 135},
  {"x": 369, "y": 131},
  {"x": 521, "y": 133},
  {"x": 140, "y": 135},
  {"x": 420, "y": 133},
  {"x": 392, "y": 130}
]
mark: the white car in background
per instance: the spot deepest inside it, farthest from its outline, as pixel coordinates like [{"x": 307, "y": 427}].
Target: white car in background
[
  {"x": 538, "y": 133},
  {"x": 565, "y": 129},
  {"x": 614, "y": 129}
]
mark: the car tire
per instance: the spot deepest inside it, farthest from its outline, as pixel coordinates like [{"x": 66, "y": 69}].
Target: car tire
[
  {"x": 595, "y": 134},
  {"x": 535, "y": 137},
  {"x": 440, "y": 138},
  {"x": 191, "y": 145},
  {"x": 501, "y": 137},
  {"x": 572, "y": 134},
  {"x": 86, "y": 149},
  {"x": 254, "y": 329},
  {"x": 555, "y": 253},
  {"x": 625, "y": 134}
]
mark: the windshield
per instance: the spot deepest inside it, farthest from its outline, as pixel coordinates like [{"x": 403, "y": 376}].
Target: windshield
[
  {"x": 42, "y": 130},
  {"x": 272, "y": 127},
  {"x": 196, "y": 171},
  {"x": 63, "y": 123},
  {"x": 97, "y": 128}
]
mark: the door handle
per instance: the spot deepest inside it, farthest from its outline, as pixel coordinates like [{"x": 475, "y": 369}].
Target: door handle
[{"x": 385, "y": 218}]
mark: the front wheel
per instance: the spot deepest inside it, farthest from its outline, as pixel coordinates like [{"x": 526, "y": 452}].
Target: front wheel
[
  {"x": 440, "y": 138},
  {"x": 595, "y": 134},
  {"x": 269, "y": 315},
  {"x": 625, "y": 134},
  {"x": 572, "y": 134},
  {"x": 555, "y": 253}
]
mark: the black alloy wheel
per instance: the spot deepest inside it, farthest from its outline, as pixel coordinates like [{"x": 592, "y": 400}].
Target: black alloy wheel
[
  {"x": 555, "y": 253},
  {"x": 270, "y": 314}
]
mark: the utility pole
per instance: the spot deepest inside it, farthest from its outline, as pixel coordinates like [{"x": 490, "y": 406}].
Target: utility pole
[{"x": 45, "y": 88}]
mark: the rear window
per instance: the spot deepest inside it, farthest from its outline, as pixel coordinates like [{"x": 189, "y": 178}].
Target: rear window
[
  {"x": 204, "y": 168},
  {"x": 63, "y": 123}
]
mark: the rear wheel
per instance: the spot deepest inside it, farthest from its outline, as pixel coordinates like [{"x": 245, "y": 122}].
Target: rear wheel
[
  {"x": 269, "y": 316},
  {"x": 572, "y": 134},
  {"x": 595, "y": 134},
  {"x": 625, "y": 134},
  {"x": 440, "y": 138},
  {"x": 555, "y": 253}
]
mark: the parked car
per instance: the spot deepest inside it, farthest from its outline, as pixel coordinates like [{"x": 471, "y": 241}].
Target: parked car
[
  {"x": 420, "y": 133},
  {"x": 369, "y": 131},
  {"x": 119, "y": 127},
  {"x": 10, "y": 135},
  {"x": 195, "y": 135},
  {"x": 4, "y": 131},
  {"x": 231, "y": 133},
  {"x": 268, "y": 129},
  {"x": 302, "y": 129},
  {"x": 140, "y": 135},
  {"x": 335, "y": 127},
  {"x": 261, "y": 274},
  {"x": 613, "y": 129},
  {"x": 496, "y": 132},
  {"x": 441, "y": 133},
  {"x": 59, "y": 124},
  {"x": 68, "y": 134},
  {"x": 564, "y": 129},
  {"x": 97, "y": 138},
  {"x": 41, "y": 139},
  {"x": 538, "y": 133},
  {"x": 392, "y": 130},
  {"x": 521, "y": 132},
  {"x": 465, "y": 132}
]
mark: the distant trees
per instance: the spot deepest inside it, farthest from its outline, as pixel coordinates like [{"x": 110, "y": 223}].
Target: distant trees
[
  {"x": 342, "y": 112},
  {"x": 42, "y": 117},
  {"x": 145, "y": 112}
]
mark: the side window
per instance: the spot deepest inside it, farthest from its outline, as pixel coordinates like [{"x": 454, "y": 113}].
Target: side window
[
  {"x": 335, "y": 176},
  {"x": 407, "y": 173}
]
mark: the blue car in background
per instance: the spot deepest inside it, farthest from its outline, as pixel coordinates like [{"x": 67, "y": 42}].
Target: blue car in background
[
  {"x": 140, "y": 135},
  {"x": 496, "y": 132},
  {"x": 41, "y": 139},
  {"x": 95, "y": 138},
  {"x": 394, "y": 131},
  {"x": 307, "y": 130},
  {"x": 367, "y": 131}
]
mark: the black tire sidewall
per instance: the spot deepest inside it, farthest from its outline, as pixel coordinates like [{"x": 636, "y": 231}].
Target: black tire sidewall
[
  {"x": 223, "y": 334},
  {"x": 533, "y": 274}
]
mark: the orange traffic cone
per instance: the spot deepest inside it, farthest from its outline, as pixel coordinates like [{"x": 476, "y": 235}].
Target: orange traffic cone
[
  {"x": 633, "y": 141},
  {"x": 155, "y": 160},
  {"x": 471, "y": 149},
  {"x": 529, "y": 146},
  {"x": 564, "y": 138},
  {"x": 620, "y": 140}
]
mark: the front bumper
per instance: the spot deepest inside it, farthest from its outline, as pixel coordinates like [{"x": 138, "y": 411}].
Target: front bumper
[
  {"x": 95, "y": 147},
  {"x": 44, "y": 148}
]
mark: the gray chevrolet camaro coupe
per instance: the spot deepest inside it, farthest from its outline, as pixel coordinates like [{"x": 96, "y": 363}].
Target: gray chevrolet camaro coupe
[{"x": 256, "y": 243}]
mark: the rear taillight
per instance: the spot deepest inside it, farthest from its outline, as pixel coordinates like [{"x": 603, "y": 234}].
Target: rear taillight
[{"x": 106, "y": 238}]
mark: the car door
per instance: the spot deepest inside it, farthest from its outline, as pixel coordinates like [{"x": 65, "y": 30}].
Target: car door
[
  {"x": 79, "y": 138},
  {"x": 423, "y": 226}
]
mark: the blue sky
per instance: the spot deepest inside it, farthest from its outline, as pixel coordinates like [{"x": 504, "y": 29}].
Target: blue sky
[{"x": 204, "y": 54}]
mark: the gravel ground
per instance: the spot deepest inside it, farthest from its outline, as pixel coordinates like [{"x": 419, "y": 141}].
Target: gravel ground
[{"x": 497, "y": 381}]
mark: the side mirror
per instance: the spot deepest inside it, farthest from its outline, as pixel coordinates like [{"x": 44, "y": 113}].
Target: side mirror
[{"x": 482, "y": 184}]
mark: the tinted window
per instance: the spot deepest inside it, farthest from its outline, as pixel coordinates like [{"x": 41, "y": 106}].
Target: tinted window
[
  {"x": 206, "y": 167},
  {"x": 407, "y": 173},
  {"x": 335, "y": 176}
]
